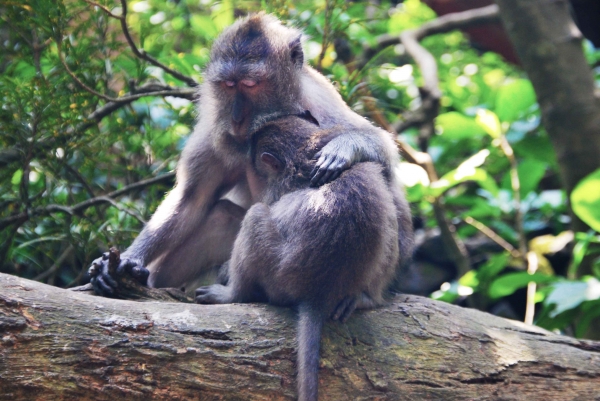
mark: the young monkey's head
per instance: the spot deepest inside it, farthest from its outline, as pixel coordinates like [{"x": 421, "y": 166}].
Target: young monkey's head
[{"x": 254, "y": 73}]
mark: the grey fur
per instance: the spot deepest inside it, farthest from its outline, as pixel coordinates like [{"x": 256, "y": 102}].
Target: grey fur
[
  {"x": 315, "y": 248},
  {"x": 193, "y": 230}
]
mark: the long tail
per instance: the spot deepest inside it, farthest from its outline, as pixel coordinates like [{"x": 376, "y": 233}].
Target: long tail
[{"x": 310, "y": 324}]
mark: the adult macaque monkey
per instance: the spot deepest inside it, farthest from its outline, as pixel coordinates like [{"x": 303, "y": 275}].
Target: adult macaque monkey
[
  {"x": 256, "y": 73},
  {"x": 325, "y": 250}
]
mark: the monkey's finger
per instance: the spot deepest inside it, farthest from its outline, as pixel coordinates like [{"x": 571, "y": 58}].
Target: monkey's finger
[
  {"x": 340, "y": 308},
  {"x": 349, "y": 310},
  {"x": 97, "y": 289},
  {"x": 105, "y": 288},
  {"x": 202, "y": 290},
  {"x": 327, "y": 177},
  {"x": 335, "y": 175},
  {"x": 317, "y": 179},
  {"x": 126, "y": 265},
  {"x": 140, "y": 274},
  {"x": 106, "y": 276},
  {"x": 317, "y": 155}
]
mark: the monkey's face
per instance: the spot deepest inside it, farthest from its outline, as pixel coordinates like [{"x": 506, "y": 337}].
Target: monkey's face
[{"x": 254, "y": 74}]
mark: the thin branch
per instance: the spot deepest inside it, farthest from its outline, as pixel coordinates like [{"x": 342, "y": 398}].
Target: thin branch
[
  {"x": 152, "y": 89},
  {"x": 140, "y": 53},
  {"x": 54, "y": 268},
  {"x": 516, "y": 190},
  {"x": 103, "y": 8},
  {"x": 79, "y": 82},
  {"x": 326, "y": 32},
  {"x": 143, "y": 55},
  {"x": 485, "y": 230},
  {"x": 82, "y": 206},
  {"x": 430, "y": 92},
  {"x": 532, "y": 266},
  {"x": 130, "y": 212},
  {"x": 446, "y": 23}
]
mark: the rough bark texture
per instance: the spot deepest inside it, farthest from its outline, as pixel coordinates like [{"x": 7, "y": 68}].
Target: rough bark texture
[
  {"x": 549, "y": 46},
  {"x": 59, "y": 344}
]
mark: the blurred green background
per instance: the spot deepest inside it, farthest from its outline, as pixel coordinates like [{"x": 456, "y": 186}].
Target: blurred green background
[{"x": 62, "y": 145}]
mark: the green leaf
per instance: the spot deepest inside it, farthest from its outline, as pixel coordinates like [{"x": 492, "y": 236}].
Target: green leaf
[
  {"x": 16, "y": 178},
  {"x": 536, "y": 147},
  {"x": 567, "y": 295},
  {"x": 204, "y": 26},
  {"x": 514, "y": 100},
  {"x": 223, "y": 14},
  {"x": 509, "y": 283},
  {"x": 489, "y": 121},
  {"x": 585, "y": 200},
  {"x": 493, "y": 267},
  {"x": 466, "y": 171},
  {"x": 530, "y": 173},
  {"x": 454, "y": 125}
]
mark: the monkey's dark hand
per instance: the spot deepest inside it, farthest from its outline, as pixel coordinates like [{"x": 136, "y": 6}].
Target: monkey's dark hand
[
  {"x": 104, "y": 272},
  {"x": 332, "y": 160}
]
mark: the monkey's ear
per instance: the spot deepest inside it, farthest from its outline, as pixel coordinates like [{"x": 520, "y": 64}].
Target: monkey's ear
[
  {"x": 271, "y": 161},
  {"x": 296, "y": 52}
]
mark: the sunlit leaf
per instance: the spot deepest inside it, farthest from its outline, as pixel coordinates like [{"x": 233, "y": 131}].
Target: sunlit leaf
[
  {"x": 567, "y": 295},
  {"x": 585, "y": 200},
  {"x": 511, "y": 282},
  {"x": 514, "y": 99},
  {"x": 489, "y": 121},
  {"x": 454, "y": 125}
]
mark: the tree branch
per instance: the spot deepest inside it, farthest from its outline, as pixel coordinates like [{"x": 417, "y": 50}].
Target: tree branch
[
  {"x": 152, "y": 89},
  {"x": 80, "y": 207},
  {"x": 414, "y": 348}
]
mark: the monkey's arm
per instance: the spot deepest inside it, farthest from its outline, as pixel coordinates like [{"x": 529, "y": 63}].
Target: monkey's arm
[
  {"x": 202, "y": 179},
  {"x": 349, "y": 147}
]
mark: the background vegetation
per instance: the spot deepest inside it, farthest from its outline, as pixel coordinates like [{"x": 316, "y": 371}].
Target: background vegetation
[{"x": 91, "y": 128}]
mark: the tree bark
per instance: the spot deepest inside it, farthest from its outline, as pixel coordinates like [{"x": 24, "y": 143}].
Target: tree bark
[
  {"x": 59, "y": 344},
  {"x": 549, "y": 45}
]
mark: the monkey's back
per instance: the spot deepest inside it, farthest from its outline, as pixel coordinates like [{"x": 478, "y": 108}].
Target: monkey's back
[{"x": 339, "y": 240}]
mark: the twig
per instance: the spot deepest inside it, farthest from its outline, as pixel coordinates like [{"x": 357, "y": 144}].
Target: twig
[
  {"x": 126, "y": 210},
  {"x": 54, "y": 268},
  {"x": 326, "y": 29},
  {"x": 430, "y": 92},
  {"x": 153, "y": 89},
  {"x": 79, "y": 82},
  {"x": 532, "y": 266},
  {"x": 485, "y": 230},
  {"x": 143, "y": 55},
  {"x": 516, "y": 189},
  {"x": 446, "y": 23},
  {"x": 80, "y": 207}
]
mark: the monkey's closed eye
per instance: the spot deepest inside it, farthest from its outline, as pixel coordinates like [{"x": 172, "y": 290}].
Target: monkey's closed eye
[
  {"x": 230, "y": 84},
  {"x": 272, "y": 161},
  {"x": 248, "y": 82}
]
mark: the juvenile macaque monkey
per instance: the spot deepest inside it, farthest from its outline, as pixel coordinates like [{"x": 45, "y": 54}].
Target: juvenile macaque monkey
[
  {"x": 320, "y": 249},
  {"x": 256, "y": 73}
]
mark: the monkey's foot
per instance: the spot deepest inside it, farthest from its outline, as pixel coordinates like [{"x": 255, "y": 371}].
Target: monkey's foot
[
  {"x": 214, "y": 294},
  {"x": 104, "y": 272},
  {"x": 345, "y": 308}
]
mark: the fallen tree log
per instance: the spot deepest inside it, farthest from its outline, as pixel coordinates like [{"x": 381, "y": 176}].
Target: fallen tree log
[{"x": 58, "y": 344}]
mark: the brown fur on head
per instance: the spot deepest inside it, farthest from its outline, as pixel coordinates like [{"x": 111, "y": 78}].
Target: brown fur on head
[
  {"x": 254, "y": 73},
  {"x": 285, "y": 160}
]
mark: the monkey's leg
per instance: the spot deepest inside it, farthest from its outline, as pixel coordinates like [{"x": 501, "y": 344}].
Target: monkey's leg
[
  {"x": 206, "y": 248},
  {"x": 252, "y": 263}
]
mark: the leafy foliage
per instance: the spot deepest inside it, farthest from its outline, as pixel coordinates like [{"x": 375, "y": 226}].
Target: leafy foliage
[{"x": 62, "y": 144}]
